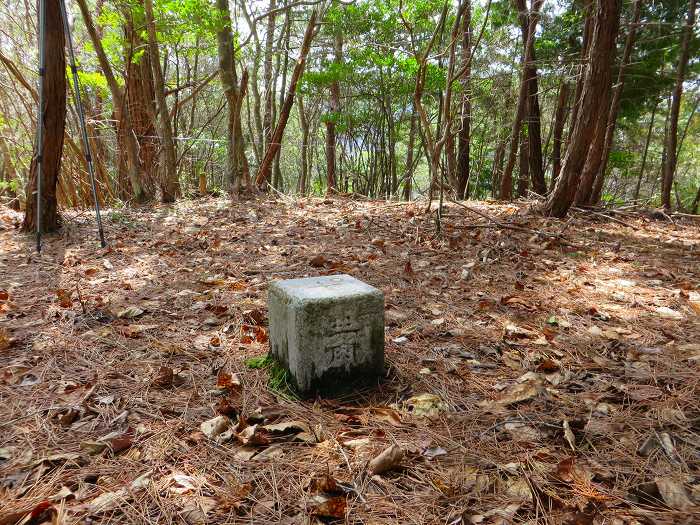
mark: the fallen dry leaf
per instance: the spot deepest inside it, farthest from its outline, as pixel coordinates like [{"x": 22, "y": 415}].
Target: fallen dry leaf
[
  {"x": 214, "y": 427},
  {"x": 389, "y": 459},
  {"x": 328, "y": 506}
]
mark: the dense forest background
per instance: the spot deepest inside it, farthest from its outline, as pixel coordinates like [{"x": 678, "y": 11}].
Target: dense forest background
[{"x": 579, "y": 102}]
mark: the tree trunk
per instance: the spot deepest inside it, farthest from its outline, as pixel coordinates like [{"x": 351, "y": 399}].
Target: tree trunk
[
  {"x": 120, "y": 111},
  {"x": 524, "y": 168},
  {"x": 506, "y": 190},
  {"x": 277, "y": 178},
  {"x": 497, "y": 169},
  {"x": 265, "y": 169},
  {"x": 330, "y": 122},
  {"x": 464, "y": 134},
  {"x": 615, "y": 106},
  {"x": 646, "y": 150},
  {"x": 54, "y": 123},
  {"x": 240, "y": 140},
  {"x": 532, "y": 107},
  {"x": 595, "y": 150},
  {"x": 672, "y": 138},
  {"x": 588, "y": 26},
  {"x": 408, "y": 177},
  {"x": 10, "y": 175},
  {"x": 696, "y": 203},
  {"x": 304, "y": 124},
  {"x": 559, "y": 122},
  {"x": 140, "y": 96},
  {"x": 267, "y": 82},
  {"x": 596, "y": 81},
  {"x": 232, "y": 93},
  {"x": 170, "y": 186}
]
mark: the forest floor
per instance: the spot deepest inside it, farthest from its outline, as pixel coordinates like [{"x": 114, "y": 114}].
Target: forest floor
[{"x": 538, "y": 371}]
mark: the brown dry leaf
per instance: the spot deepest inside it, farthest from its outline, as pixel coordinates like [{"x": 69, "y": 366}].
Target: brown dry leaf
[
  {"x": 253, "y": 435},
  {"x": 328, "y": 506},
  {"x": 673, "y": 493},
  {"x": 516, "y": 301},
  {"x": 569, "y": 435},
  {"x": 513, "y": 331},
  {"x": 517, "y": 394},
  {"x": 288, "y": 427},
  {"x": 318, "y": 261},
  {"x": 130, "y": 312},
  {"x": 64, "y": 298},
  {"x": 225, "y": 408},
  {"x": 214, "y": 427},
  {"x": 387, "y": 415},
  {"x": 164, "y": 378},
  {"x": 389, "y": 459},
  {"x": 324, "y": 483},
  {"x": 228, "y": 382},
  {"x": 254, "y": 317},
  {"x": 133, "y": 331},
  {"x": 425, "y": 405},
  {"x": 5, "y": 340},
  {"x": 120, "y": 443}
]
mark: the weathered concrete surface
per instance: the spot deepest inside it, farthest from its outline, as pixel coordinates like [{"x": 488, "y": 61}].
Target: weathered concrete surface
[{"x": 328, "y": 332}]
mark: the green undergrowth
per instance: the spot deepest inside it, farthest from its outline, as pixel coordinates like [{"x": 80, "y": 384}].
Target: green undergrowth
[{"x": 279, "y": 379}]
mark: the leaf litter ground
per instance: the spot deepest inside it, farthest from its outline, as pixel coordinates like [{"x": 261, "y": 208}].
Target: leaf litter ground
[{"x": 538, "y": 371}]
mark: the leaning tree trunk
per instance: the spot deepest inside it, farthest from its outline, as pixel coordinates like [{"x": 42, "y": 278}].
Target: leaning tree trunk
[
  {"x": 611, "y": 119},
  {"x": 265, "y": 170},
  {"x": 268, "y": 84},
  {"x": 408, "y": 177},
  {"x": 506, "y": 190},
  {"x": 120, "y": 111},
  {"x": 170, "y": 186},
  {"x": 140, "y": 99},
  {"x": 524, "y": 165},
  {"x": 595, "y": 149},
  {"x": 646, "y": 151},
  {"x": 559, "y": 122},
  {"x": 54, "y": 113},
  {"x": 532, "y": 108},
  {"x": 330, "y": 122},
  {"x": 10, "y": 175},
  {"x": 277, "y": 177},
  {"x": 696, "y": 203},
  {"x": 232, "y": 93},
  {"x": 464, "y": 134},
  {"x": 304, "y": 125},
  {"x": 596, "y": 81},
  {"x": 672, "y": 138}
]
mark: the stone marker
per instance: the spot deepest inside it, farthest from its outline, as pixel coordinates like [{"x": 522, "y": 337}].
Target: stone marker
[{"x": 328, "y": 332}]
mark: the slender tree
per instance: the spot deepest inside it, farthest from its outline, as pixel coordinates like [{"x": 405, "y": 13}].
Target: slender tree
[
  {"x": 334, "y": 109},
  {"x": 599, "y": 163},
  {"x": 265, "y": 168},
  {"x": 170, "y": 185},
  {"x": 54, "y": 120},
  {"x": 532, "y": 106},
  {"x": 669, "y": 166},
  {"x": 596, "y": 82},
  {"x": 506, "y": 190},
  {"x": 121, "y": 113},
  {"x": 560, "y": 115},
  {"x": 234, "y": 99},
  {"x": 464, "y": 134}
]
